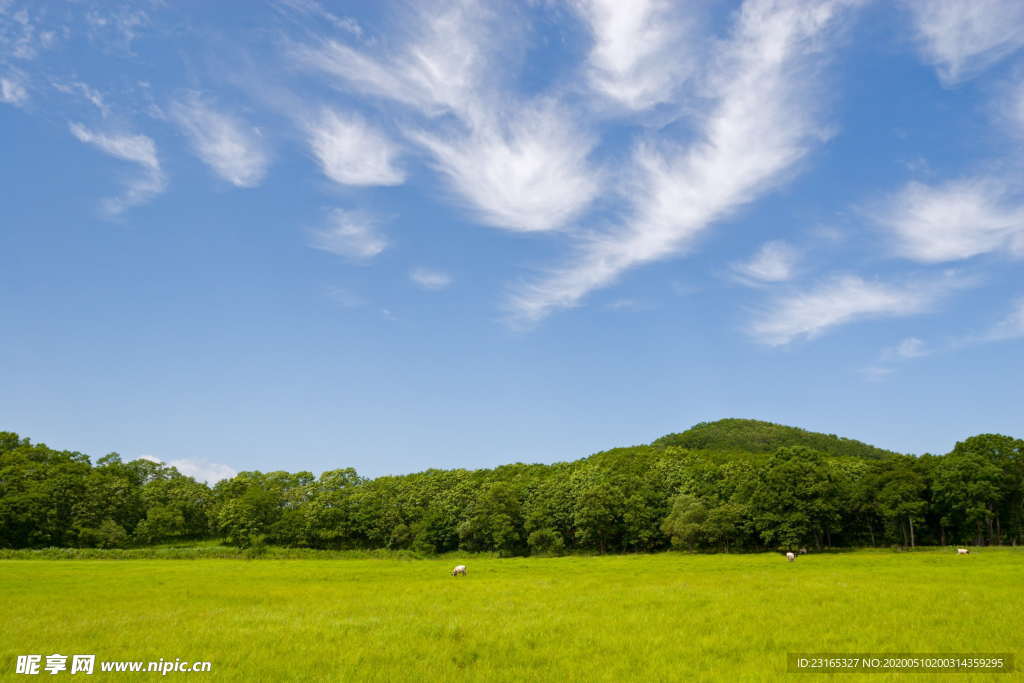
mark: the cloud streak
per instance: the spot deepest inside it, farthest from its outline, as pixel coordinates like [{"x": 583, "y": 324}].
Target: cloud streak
[
  {"x": 352, "y": 152},
  {"x": 525, "y": 172},
  {"x": 13, "y": 90},
  {"x": 1010, "y": 327},
  {"x": 963, "y": 38},
  {"x": 774, "y": 262},
  {"x": 350, "y": 234},
  {"x": 137, "y": 149},
  {"x": 846, "y": 299},
  {"x": 428, "y": 279},
  {"x": 641, "y": 53},
  {"x": 762, "y": 121},
  {"x": 232, "y": 148},
  {"x": 516, "y": 163},
  {"x": 954, "y": 221}
]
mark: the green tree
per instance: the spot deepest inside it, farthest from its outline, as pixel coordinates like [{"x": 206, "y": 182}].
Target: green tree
[{"x": 684, "y": 525}]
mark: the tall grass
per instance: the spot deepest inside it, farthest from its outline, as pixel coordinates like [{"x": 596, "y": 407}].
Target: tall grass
[
  {"x": 205, "y": 552},
  {"x": 641, "y": 617}
]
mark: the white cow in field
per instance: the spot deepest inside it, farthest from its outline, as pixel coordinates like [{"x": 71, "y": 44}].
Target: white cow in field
[
  {"x": 963, "y": 551},
  {"x": 460, "y": 570},
  {"x": 790, "y": 556}
]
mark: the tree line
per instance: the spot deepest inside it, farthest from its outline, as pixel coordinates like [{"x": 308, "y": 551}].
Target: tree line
[{"x": 728, "y": 494}]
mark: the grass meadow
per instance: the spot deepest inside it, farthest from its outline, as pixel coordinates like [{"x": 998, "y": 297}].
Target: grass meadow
[{"x": 640, "y": 617}]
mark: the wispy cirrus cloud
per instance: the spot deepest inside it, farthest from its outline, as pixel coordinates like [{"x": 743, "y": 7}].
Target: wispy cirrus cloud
[
  {"x": 354, "y": 235},
  {"x": 352, "y": 151},
  {"x": 846, "y": 299},
  {"x": 1010, "y": 327},
  {"x": 516, "y": 163},
  {"x": 526, "y": 171},
  {"x": 117, "y": 27},
  {"x": 911, "y": 347},
  {"x": 775, "y": 261},
  {"x": 907, "y": 349},
  {"x": 761, "y": 122},
  {"x": 427, "y": 278},
  {"x": 962, "y": 38},
  {"x": 85, "y": 91},
  {"x": 955, "y": 220},
  {"x": 13, "y": 88},
  {"x": 312, "y": 8},
  {"x": 137, "y": 149},
  {"x": 643, "y": 50},
  {"x": 439, "y": 70},
  {"x": 231, "y": 147},
  {"x": 21, "y": 34}
]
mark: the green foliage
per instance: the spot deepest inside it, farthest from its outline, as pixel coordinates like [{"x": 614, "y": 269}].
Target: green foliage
[
  {"x": 546, "y": 542},
  {"x": 755, "y": 436},
  {"x": 728, "y": 485},
  {"x": 685, "y": 523},
  {"x": 109, "y": 534}
]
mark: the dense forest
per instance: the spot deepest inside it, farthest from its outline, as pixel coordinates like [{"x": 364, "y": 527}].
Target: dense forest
[{"x": 722, "y": 486}]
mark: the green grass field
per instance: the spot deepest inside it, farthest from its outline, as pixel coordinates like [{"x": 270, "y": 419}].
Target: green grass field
[{"x": 642, "y": 617}]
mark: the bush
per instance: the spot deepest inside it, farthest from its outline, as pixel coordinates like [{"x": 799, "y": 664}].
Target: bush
[
  {"x": 546, "y": 542},
  {"x": 109, "y": 534}
]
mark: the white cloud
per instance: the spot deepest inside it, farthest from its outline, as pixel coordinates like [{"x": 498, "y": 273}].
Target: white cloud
[
  {"x": 517, "y": 164},
  {"x": 954, "y": 221},
  {"x": 352, "y": 234},
  {"x": 642, "y": 51},
  {"x": 346, "y": 298},
  {"x": 774, "y": 262},
  {"x": 200, "y": 470},
  {"x": 760, "y": 124},
  {"x": 137, "y": 149},
  {"x": 911, "y": 347},
  {"x": 232, "y": 148},
  {"x": 116, "y": 27},
  {"x": 440, "y": 70},
  {"x": 430, "y": 279},
  {"x": 20, "y": 33},
  {"x": 962, "y": 37},
  {"x": 311, "y": 8},
  {"x": 203, "y": 470},
  {"x": 92, "y": 95},
  {"x": 846, "y": 299},
  {"x": 1010, "y": 327},
  {"x": 13, "y": 90},
  {"x": 352, "y": 152},
  {"x": 525, "y": 172}
]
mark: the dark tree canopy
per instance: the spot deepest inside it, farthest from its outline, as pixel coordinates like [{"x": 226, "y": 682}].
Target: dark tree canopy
[
  {"x": 722, "y": 486},
  {"x": 755, "y": 436}
]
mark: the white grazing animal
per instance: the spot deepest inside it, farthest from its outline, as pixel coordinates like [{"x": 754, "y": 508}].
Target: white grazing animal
[
  {"x": 963, "y": 551},
  {"x": 460, "y": 570},
  {"x": 790, "y": 556}
]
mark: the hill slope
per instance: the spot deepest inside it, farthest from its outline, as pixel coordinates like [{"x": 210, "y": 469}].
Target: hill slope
[{"x": 755, "y": 436}]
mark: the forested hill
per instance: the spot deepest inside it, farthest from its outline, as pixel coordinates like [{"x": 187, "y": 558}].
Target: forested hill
[
  {"x": 728, "y": 485},
  {"x": 755, "y": 436}
]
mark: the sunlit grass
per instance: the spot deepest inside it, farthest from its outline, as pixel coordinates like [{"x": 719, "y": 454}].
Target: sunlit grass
[{"x": 643, "y": 617}]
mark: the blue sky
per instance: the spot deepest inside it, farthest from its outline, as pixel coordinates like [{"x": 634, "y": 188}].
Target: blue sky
[{"x": 401, "y": 235}]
